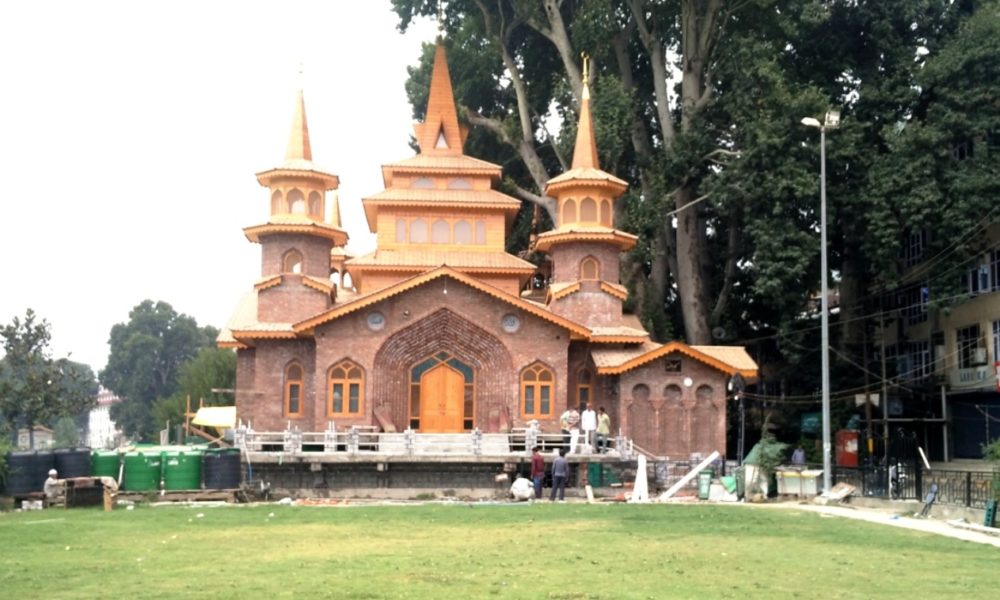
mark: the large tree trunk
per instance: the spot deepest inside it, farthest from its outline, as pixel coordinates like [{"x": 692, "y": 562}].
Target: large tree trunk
[{"x": 691, "y": 282}]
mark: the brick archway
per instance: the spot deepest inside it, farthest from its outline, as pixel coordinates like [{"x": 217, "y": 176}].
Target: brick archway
[{"x": 445, "y": 331}]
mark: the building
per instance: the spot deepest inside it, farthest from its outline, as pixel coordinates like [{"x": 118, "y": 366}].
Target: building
[
  {"x": 444, "y": 331},
  {"x": 102, "y": 432},
  {"x": 947, "y": 362}
]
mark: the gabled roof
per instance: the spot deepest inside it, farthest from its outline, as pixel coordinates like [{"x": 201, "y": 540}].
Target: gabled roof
[
  {"x": 308, "y": 325},
  {"x": 728, "y": 359}
]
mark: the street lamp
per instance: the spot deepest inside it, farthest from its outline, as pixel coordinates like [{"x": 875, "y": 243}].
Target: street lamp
[{"x": 831, "y": 121}]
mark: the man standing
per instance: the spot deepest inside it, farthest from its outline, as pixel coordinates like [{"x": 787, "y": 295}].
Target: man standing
[
  {"x": 603, "y": 430},
  {"x": 569, "y": 421},
  {"x": 588, "y": 422},
  {"x": 537, "y": 471},
  {"x": 560, "y": 472}
]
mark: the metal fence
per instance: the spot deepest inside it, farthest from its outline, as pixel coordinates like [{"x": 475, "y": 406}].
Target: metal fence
[{"x": 972, "y": 489}]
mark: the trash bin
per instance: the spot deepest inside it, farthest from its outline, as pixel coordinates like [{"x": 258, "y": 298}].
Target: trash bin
[
  {"x": 704, "y": 483},
  {"x": 741, "y": 483}
]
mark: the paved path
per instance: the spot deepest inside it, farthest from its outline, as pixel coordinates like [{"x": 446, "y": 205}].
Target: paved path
[{"x": 887, "y": 517}]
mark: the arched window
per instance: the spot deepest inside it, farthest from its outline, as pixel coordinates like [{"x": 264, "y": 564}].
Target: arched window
[
  {"x": 640, "y": 392},
  {"x": 672, "y": 393},
  {"x": 606, "y": 212},
  {"x": 480, "y": 232},
  {"x": 296, "y": 202},
  {"x": 400, "y": 230},
  {"x": 418, "y": 231},
  {"x": 463, "y": 232},
  {"x": 569, "y": 211},
  {"x": 704, "y": 392},
  {"x": 315, "y": 206},
  {"x": 422, "y": 183},
  {"x": 345, "y": 394},
  {"x": 588, "y": 210},
  {"x": 276, "y": 202},
  {"x": 293, "y": 390},
  {"x": 590, "y": 269},
  {"x": 459, "y": 184},
  {"x": 440, "y": 232},
  {"x": 292, "y": 262},
  {"x": 537, "y": 382},
  {"x": 584, "y": 381}
]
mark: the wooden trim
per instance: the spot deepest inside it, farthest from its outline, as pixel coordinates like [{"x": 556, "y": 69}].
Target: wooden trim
[
  {"x": 537, "y": 367},
  {"x": 346, "y": 382},
  {"x": 289, "y": 382}
]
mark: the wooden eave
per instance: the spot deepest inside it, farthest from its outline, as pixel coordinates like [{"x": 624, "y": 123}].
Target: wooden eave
[
  {"x": 638, "y": 361},
  {"x": 330, "y": 181},
  {"x": 252, "y": 334},
  {"x": 235, "y": 345},
  {"x": 562, "y": 293},
  {"x": 308, "y": 325},
  {"x": 614, "y": 187},
  {"x": 619, "y": 339},
  {"x": 372, "y": 207},
  {"x": 338, "y": 236},
  {"x": 267, "y": 283},
  {"x": 613, "y": 290},
  {"x": 625, "y": 241}
]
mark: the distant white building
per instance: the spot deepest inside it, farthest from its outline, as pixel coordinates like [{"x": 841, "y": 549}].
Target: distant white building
[
  {"x": 101, "y": 430},
  {"x": 43, "y": 438}
]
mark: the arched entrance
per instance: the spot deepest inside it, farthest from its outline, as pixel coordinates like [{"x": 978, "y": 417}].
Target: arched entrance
[
  {"x": 491, "y": 383},
  {"x": 442, "y": 395}
]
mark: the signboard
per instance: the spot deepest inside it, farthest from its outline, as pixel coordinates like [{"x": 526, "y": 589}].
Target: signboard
[
  {"x": 812, "y": 422},
  {"x": 996, "y": 367}
]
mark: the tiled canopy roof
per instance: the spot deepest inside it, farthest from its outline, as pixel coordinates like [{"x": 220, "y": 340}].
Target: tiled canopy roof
[
  {"x": 728, "y": 359},
  {"x": 458, "y": 260}
]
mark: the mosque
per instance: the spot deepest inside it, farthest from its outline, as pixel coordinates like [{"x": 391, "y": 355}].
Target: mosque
[{"x": 441, "y": 330}]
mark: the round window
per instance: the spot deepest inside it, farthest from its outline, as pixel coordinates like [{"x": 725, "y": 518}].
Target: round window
[
  {"x": 376, "y": 321},
  {"x": 510, "y": 323}
]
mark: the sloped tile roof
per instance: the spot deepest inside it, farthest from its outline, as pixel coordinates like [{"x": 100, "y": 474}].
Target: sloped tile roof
[
  {"x": 490, "y": 198},
  {"x": 728, "y": 359},
  {"x": 437, "y": 258}
]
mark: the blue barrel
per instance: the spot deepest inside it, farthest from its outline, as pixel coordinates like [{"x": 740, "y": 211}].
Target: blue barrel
[
  {"x": 72, "y": 462},
  {"x": 222, "y": 469}
]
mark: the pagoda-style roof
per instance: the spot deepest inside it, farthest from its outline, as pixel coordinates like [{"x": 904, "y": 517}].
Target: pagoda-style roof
[
  {"x": 298, "y": 224},
  {"x": 585, "y": 233},
  {"x": 406, "y": 260},
  {"x": 298, "y": 161},
  {"x": 464, "y": 199}
]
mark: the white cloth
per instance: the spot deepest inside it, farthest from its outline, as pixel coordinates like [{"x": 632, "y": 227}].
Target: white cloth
[
  {"x": 522, "y": 489},
  {"x": 588, "y": 420}
]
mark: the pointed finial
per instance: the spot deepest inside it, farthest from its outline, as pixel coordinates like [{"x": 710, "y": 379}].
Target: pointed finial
[{"x": 586, "y": 74}]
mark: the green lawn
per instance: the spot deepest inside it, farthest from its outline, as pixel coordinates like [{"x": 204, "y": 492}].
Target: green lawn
[{"x": 480, "y": 551}]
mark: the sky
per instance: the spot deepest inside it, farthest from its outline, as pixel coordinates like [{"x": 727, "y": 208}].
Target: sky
[{"x": 130, "y": 133}]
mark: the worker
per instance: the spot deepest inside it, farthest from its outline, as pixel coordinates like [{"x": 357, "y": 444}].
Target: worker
[{"x": 53, "y": 487}]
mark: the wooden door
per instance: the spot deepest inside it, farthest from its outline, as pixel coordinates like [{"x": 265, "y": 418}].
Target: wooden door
[{"x": 442, "y": 400}]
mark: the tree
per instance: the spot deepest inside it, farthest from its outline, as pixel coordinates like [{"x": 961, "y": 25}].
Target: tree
[
  {"x": 65, "y": 434},
  {"x": 35, "y": 389},
  {"x": 144, "y": 362},
  {"x": 211, "y": 369}
]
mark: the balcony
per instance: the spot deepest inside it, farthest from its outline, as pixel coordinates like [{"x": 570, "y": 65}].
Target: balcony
[{"x": 981, "y": 377}]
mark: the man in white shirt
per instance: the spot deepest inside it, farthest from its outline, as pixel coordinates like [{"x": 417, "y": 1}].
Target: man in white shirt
[{"x": 588, "y": 422}]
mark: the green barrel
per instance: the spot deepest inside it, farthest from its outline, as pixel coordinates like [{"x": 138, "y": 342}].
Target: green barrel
[
  {"x": 182, "y": 470},
  {"x": 142, "y": 472},
  {"x": 595, "y": 474},
  {"x": 104, "y": 463}
]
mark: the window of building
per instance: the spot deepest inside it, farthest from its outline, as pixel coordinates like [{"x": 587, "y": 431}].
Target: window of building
[
  {"x": 584, "y": 381},
  {"x": 315, "y": 206},
  {"x": 463, "y": 232},
  {"x": 996, "y": 341},
  {"x": 977, "y": 280},
  {"x": 480, "y": 232},
  {"x": 292, "y": 262},
  {"x": 606, "y": 212},
  {"x": 537, "y": 382},
  {"x": 966, "y": 342},
  {"x": 418, "y": 231},
  {"x": 673, "y": 393},
  {"x": 963, "y": 149},
  {"x": 588, "y": 210},
  {"x": 913, "y": 249},
  {"x": 296, "y": 202},
  {"x": 459, "y": 184},
  {"x": 293, "y": 390},
  {"x": 995, "y": 270},
  {"x": 640, "y": 392},
  {"x": 590, "y": 269},
  {"x": 913, "y": 302},
  {"x": 422, "y": 183},
  {"x": 276, "y": 202},
  {"x": 672, "y": 365},
  {"x": 704, "y": 392},
  {"x": 440, "y": 232},
  {"x": 345, "y": 394},
  {"x": 400, "y": 230},
  {"x": 569, "y": 211},
  {"x": 919, "y": 361}
]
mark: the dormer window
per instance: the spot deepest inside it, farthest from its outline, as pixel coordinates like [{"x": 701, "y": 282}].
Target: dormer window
[{"x": 442, "y": 143}]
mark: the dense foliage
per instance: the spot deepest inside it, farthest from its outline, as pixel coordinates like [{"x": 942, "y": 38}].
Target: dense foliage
[
  {"x": 36, "y": 389},
  {"x": 145, "y": 361}
]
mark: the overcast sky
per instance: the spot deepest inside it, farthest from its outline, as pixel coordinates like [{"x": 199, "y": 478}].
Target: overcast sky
[{"x": 130, "y": 133}]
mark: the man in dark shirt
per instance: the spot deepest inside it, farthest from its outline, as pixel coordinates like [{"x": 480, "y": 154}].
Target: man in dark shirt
[
  {"x": 537, "y": 470},
  {"x": 560, "y": 472}
]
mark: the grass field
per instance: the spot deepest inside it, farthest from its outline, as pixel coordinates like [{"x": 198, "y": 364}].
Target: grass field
[{"x": 479, "y": 551}]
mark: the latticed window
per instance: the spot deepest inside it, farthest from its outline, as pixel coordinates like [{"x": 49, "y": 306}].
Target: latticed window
[
  {"x": 346, "y": 390},
  {"x": 293, "y": 390},
  {"x": 536, "y": 391}
]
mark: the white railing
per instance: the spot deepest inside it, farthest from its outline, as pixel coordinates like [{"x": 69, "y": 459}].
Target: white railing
[
  {"x": 971, "y": 378},
  {"x": 367, "y": 440}
]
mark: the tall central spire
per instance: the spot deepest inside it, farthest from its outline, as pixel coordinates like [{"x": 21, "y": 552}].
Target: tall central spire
[
  {"x": 298, "y": 140},
  {"x": 440, "y": 132},
  {"x": 585, "y": 152}
]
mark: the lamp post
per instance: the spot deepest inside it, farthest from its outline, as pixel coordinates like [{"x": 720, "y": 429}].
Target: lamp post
[{"x": 830, "y": 121}]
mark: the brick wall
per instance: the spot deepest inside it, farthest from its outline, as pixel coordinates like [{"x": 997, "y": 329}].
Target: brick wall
[
  {"x": 291, "y": 301},
  {"x": 566, "y": 260},
  {"x": 315, "y": 254}
]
